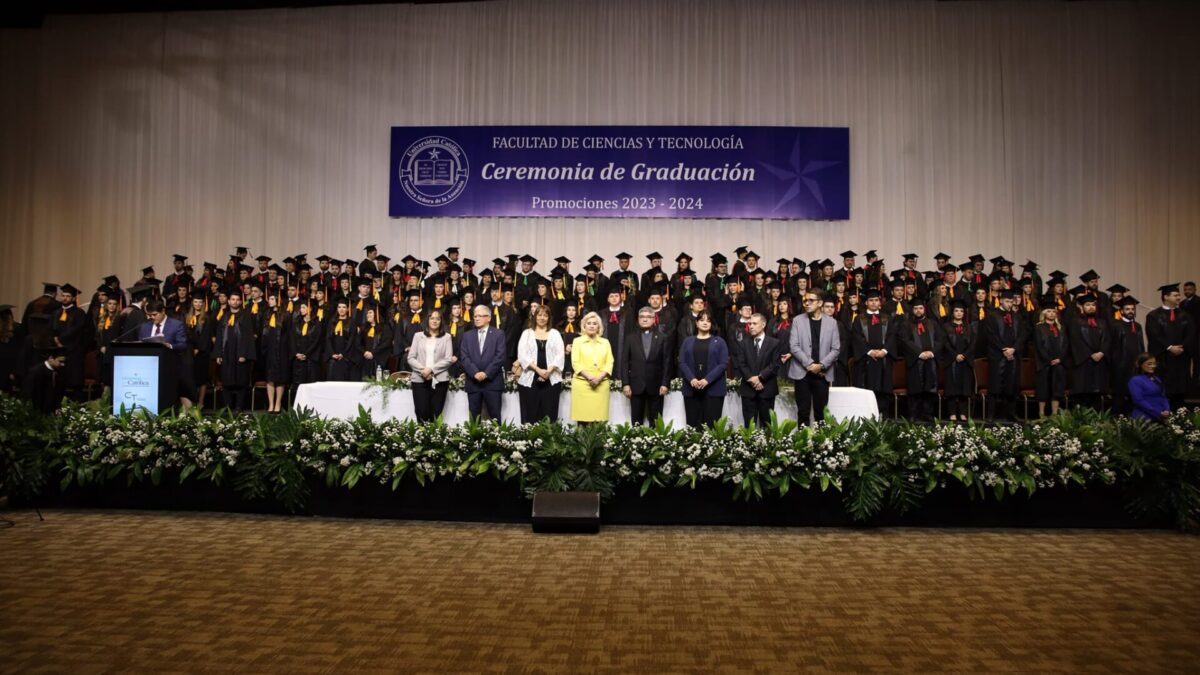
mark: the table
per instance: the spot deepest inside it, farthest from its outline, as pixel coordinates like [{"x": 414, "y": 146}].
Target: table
[{"x": 340, "y": 400}]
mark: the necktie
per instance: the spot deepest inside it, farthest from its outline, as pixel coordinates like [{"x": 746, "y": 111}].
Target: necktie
[
  {"x": 921, "y": 328},
  {"x": 612, "y": 317},
  {"x": 482, "y": 339},
  {"x": 157, "y": 330},
  {"x": 757, "y": 344},
  {"x": 1091, "y": 322},
  {"x": 1172, "y": 315},
  {"x": 874, "y": 319}
]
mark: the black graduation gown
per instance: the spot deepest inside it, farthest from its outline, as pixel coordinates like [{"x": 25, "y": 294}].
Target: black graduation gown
[
  {"x": 276, "y": 349},
  {"x": 233, "y": 343},
  {"x": 200, "y": 341},
  {"x": 379, "y": 345},
  {"x": 1004, "y": 376},
  {"x": 1088, "y": 376},
  {"x": 1050, "y": 381},
  {"x": 69, "y": 325},
  {"x": 42, "y": 387},
  {"x": 922, "y": 374},
  {"x": 12, "y": 360},
  {"x": 960, "y": 375},
  {"x": 1162, "y": 332},
  {"x": 345, "y": 369},
  {"x": 1126, "y": 341},
  {"x": 307, "y": 341},
  {"x": 615, "y": 332},
  {"x": 869, "y": 373}
]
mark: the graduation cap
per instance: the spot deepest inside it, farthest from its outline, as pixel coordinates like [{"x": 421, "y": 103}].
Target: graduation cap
[
  {"x": 68, "y": 288},
  {"x": 442, "y": 258},
  {"x": 797, "y": 261},
  {"x": 304, "y": 267},
  {"x": 351, "y": 262},
  {"x": 1088, "y": 276},
  {"x": 498, "y": 262},
  {"x": 899, "y": 275},
  {"x": 718, "y": 258},
  {"x": 871, "y": 254},
  {"x": 1077, "y": 290},
  {"x": 595, "y": 258},
  {"x": 775, "y": 285},
  {"x": 277, "y": 269},
  {"x": 967, "y": 266},
  {"x": 528, "y": 259},
  {"x": 877, "y": 264},
  {"x": 958, "y": 302},
  {"x": 941, "y": 256},
  {"x": 513, "y": 257},
  {"x": 1169, "y": 288},
  {"x": 1008, "y": 294},
  {"x": 1085, "y": 298},
  {"x": 910, "y": 256},
  {"x": 1057, "y": 275},
  {"x": 872, "y": 293},
  {"x": 396, "y": 268},
  {"x": 370, "y": 248},
  {"x": 557, "y": 273},
  {"x": 1128, "y": 300},
  {"x": 148, "y": 270},
  {"x": 412, "y": 293},
  {"x": 334, "y": 262},
  {"x": 505, "y": 288},
  {"x": 1027, "y": 281},
  {"x": 207, "y": 266},
  {"x": 241, "y": 252},
  {"x": 1048, "y": 302},
  {"x": 591, "y": 268},
  {"x": 917, "y": 302},
  {"x": 783, "y": 261},
  {"x": 751, "y": 254},
  {"x": 848, "y": 254},
  {"x": 408, "y": 258},
  {"x": 563, "y": 260},
  {"x": 452, "y": 249},
  {"x": 263, "y": 258},
  {"x": 1117, "y": 288},
  {"x": 383, "y": 257},
  {"x": 341, "y": 300},
  {"x": 364, "y": 281},
  {"x": 998, "y": 260},
  {"x": 180, "y": 258},
  {"x": 682, "y": 257},
  {"x": 467, "y": 262},
  {"x": 141, "y": 290},
  {"x": 581, "y": 277},
  {"x": 977, "y": 258},
  {"x": 657, "y": 289},
  {"x": 234, "y": 258},
  {"x": 1029, "y": 266},
  {"x": 826, "y": 263},
  {"x": 741, "y": 250},
  {"x": 112, "y": 279}
]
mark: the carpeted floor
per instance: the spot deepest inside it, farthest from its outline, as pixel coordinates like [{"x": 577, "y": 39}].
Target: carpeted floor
[{"x": 152, "y": 592}]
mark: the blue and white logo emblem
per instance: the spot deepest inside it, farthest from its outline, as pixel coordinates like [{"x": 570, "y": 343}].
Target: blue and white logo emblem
[{"x": 434, "y": 171}]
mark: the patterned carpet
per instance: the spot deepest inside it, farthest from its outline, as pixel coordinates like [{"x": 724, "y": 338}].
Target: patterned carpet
[{"x": 153, "y": 592}]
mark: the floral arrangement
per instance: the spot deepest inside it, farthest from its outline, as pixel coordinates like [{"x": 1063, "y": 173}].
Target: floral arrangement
[{"x": 876, "y": 465}]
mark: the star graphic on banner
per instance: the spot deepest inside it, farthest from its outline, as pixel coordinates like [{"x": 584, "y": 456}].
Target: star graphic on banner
[
  {"x": 433, "y": 154},
  {"x": 797, "y": 174}
]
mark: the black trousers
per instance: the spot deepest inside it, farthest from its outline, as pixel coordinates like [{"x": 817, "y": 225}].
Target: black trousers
[
  {"x": 812, "y": 394},
  {"x": 539, "y": 402},
  {"x": 757, "y": 410},
  {"x": 921, "y": 406},
  {"x": 957, "y": 406},
  {"x": 236, "y": 397},
  {"x": 429, "y": 399},
  {"x": 490, "y": 399},
  {"x": 645, "y": 408},
  {"x": 1002, "y": 407},
  {"x": 702, "y": 410}
]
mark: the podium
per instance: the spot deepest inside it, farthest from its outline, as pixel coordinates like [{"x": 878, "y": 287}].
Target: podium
[{"x": 145, "y": 375}]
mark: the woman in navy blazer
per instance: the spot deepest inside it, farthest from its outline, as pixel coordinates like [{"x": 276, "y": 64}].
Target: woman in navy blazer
[
  {"x": 703, "y": 359},
  {"x": 1149, "y": 397}
]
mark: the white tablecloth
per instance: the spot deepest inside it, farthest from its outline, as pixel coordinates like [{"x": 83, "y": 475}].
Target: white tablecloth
[{"x": 341, "y": 400}]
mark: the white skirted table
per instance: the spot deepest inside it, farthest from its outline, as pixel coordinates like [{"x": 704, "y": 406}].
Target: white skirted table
[{"x": 341, "y": 400}]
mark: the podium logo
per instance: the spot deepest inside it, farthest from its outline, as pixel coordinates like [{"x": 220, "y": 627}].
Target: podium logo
[{"x": 434, "y": 171}]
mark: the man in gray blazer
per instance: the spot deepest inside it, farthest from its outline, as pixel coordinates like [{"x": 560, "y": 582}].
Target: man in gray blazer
[{"x": 814, "y": 345}]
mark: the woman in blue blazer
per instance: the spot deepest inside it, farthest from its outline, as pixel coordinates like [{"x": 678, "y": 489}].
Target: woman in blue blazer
[
  {"x": 1149, "y": 398},
  {"x": 703, "y": 359}
]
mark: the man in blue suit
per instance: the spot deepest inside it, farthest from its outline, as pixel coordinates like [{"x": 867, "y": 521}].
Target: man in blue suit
[
  {"x": 172, "y": 332},
  {"x": 482, "y": 356}
]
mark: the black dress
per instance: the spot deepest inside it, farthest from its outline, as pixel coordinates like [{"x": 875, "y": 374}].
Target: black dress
[
  {"x": 276, "y": 355},
  {"x": 960, "y": 376},
  {"x": 306, "y": 338},
  {"x": 342, "y": 341},
  {"x": 1049, "y": 344},
  {"x": 200, "y": 341}
]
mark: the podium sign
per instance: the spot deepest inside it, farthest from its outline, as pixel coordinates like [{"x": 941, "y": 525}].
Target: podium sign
[{"x": 135, "y": 383}]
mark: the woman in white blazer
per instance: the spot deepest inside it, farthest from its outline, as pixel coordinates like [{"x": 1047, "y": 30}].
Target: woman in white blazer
[
  {"x": 541, "y": 356},
  {"x": 430, "y": 357}
]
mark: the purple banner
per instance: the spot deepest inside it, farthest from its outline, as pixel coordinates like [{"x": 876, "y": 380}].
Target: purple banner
[{"x": 787, "y": 173}]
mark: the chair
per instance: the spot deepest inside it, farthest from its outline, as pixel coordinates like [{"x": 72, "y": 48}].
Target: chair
[
  {"x": 1028, "y": 386},
  {"x": 90, "y": 373},
  {"x": 899, "y": 385},
  {"x": 982, "y": 373}
]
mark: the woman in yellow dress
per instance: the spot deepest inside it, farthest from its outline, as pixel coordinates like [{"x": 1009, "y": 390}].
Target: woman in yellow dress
[{"x": 592, "y": 361}]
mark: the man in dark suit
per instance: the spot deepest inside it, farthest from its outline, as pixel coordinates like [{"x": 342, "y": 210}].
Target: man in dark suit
[
  {"x": 482, "y": 355},
  {"x": 43, "y": 383},
  {"x": 756, "y": 360},
  {"x": 172, "y": 332},
  {"x": 645, "y": 368}
]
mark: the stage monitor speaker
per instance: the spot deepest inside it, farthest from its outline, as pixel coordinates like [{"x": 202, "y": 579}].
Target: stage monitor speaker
[{"x": 566, "y": 512}]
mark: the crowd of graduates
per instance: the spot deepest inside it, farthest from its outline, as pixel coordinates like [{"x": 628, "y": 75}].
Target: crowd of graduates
[{"x": 288, "y": 323}]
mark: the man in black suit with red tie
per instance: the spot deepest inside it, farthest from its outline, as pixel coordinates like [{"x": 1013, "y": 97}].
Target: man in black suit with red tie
[
  {"x": 645, "y": 368},
  {"x": 756, "y": 361}
]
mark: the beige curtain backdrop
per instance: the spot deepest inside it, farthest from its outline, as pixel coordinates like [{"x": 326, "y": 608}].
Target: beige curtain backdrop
[{"x": 1066, "y": 132}]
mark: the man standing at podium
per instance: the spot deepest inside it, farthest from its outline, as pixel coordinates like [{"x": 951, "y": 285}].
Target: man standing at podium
[{"x": 172, "y": 333}]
